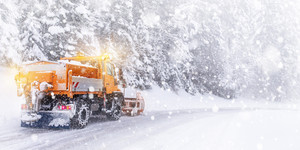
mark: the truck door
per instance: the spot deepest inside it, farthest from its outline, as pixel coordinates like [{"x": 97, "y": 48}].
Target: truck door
[{"x": 109, "y": 79}]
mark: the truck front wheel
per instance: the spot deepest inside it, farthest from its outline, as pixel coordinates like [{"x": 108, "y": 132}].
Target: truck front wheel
[{"x": 115, "y": 111}]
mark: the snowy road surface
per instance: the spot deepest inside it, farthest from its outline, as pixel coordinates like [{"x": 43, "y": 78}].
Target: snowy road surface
[
  {"x": 201, "y": 129},
  {"x": 171, "y": 122}
]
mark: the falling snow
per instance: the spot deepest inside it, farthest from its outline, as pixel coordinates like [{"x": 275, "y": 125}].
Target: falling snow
[{"x": 214, "y": 74}]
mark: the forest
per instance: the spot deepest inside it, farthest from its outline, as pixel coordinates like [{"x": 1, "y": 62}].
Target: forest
[{"x": 239, "y": 48}]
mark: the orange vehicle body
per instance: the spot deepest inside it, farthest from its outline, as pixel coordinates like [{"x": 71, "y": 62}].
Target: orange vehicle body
[
  {"x": 61, "y": 78},
  {"x": 72, "y": 89}
]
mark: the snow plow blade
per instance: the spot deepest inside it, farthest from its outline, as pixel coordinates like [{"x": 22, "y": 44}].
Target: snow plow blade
[
  {"x": 134, "y": 106},
  {"x": 56, "y": 120}
]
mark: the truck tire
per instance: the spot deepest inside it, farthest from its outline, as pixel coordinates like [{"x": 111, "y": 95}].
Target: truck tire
[
  {"x": 82, "y": 115},
  {"x": 116, "y": 108}
]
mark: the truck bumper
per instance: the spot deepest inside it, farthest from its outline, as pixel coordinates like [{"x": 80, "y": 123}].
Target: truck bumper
[{"x": 56, "y": 120}]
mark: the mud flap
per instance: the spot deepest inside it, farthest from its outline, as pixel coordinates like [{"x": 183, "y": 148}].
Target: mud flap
[{"x": 54, "y": 120}]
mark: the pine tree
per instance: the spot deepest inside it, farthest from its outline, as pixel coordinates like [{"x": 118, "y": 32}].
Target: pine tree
[
  {"x": 9, "y": 43},
  {"x": 54, "y": 29}
]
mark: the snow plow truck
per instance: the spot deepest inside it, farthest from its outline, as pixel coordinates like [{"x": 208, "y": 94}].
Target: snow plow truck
[{"x": 66, "y": 93}]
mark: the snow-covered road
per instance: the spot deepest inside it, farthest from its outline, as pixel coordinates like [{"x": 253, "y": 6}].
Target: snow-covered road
[
  {"x": 170, "y": 122},
  {"x": 202, "y": 129}
]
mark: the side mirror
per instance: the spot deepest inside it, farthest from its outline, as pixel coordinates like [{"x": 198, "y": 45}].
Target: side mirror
[
  {"x": 124, "y": 85},
  {"x": 122, "y": 82}
]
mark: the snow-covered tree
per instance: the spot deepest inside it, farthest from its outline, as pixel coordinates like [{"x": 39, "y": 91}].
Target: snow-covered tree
[
  {"x": 10, "y": 45},
  {"x": 227, "y": 48},
  {"x": 53, "y": 29}
]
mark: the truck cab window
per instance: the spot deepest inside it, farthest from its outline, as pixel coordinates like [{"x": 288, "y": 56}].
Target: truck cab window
[{"x": 109, "y": 69}]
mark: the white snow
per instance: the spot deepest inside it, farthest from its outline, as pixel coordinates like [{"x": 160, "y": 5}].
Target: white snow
[
  {"x": 170, "y": 121},
  {"x": 81, "y": 9},
  {"x": 75, "y": 63},
  {"x": 55, "y": 30},
  {"x": 59, "y": 122},
  {"x": 10, "y": 104},
  {"x": 271, "y": 60},
  {"x": 44, "y": 86},
  {"x": 30, "y": 117},
  {"x": 151, "y": 19}
]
